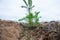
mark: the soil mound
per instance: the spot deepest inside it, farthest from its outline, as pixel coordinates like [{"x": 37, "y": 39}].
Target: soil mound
[{"x": 10, "y": 30}]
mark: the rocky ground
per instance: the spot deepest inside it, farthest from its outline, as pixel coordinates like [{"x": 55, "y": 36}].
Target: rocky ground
[{"x": 10, "y": 30}]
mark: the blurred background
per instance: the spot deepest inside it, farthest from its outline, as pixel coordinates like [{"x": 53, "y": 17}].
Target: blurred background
[{"x": 11, "y": 9}]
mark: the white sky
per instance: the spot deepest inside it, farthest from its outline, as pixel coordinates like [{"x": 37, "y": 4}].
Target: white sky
[{"x": 11, "y": 10}]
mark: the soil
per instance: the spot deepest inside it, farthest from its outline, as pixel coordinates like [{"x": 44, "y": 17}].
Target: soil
[{"x": 10, "y": 30}]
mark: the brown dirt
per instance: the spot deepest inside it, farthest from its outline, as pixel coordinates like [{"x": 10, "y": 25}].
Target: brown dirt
[{"x": 10, "y": 30}]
